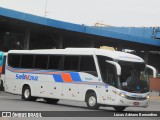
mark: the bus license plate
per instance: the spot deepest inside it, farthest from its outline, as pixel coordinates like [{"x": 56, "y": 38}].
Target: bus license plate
[{"x": 136, "y": 103}]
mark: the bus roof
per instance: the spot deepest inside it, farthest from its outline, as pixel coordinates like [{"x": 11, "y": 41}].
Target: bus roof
[{"x": 118, "y": 55}]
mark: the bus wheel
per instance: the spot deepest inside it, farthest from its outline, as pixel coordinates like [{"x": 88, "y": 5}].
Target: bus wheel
[
  {"x": 119, "y": 108},
  {"x": 91, "y": 101},
  {"x": 51, "y": 101},
  {"x": 1, "y": 85},
  {"x": 26, "y": 94}
]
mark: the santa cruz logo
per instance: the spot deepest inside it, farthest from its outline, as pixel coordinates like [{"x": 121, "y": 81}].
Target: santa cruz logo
[{"x": 26, "y": 77}]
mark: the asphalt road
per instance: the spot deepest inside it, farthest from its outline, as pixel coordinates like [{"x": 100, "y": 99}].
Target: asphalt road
[{"x": 10, "y": 102}]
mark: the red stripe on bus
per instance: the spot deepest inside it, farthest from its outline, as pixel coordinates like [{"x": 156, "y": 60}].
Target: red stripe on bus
[{"x": 66, "y": 77}]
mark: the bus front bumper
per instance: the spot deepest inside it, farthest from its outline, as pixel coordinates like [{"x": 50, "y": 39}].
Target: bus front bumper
[{"x": 122, "y": 101}]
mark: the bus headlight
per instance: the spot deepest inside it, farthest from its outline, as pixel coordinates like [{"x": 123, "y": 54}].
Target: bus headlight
[
  {"x": 131, "y": 97},
  {"x": 147, "y": 96},
  {"x": 122, "y": 95}
]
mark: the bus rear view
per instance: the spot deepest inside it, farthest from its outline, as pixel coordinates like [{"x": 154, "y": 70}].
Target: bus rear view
[{"x": 1, "y": 68}]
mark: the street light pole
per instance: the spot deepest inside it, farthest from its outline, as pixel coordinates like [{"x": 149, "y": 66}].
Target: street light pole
[{"x": 45, "y": 12}]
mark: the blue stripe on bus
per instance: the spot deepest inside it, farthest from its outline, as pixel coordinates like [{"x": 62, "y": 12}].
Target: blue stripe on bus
[
  {"x": 75, "y": 77},
  {"x": 57, "y": 78}
]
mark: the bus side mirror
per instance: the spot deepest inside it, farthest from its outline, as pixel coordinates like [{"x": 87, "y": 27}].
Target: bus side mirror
[
  {"x": 153, "y": 69},
  {"x": 118, "y": 67}
]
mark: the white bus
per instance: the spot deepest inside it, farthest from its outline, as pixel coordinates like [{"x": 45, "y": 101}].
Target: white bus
[{"x": 98, "y": 77}]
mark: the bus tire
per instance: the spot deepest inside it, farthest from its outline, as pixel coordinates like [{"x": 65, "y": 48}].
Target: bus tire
[
  {"x": 91, "y": 101},
  {"x": 51, "y": 101},
  {"x": 1, "y": 85},
  {"x": 119, "y": 108},
  {"x": 26, "y": 94}
]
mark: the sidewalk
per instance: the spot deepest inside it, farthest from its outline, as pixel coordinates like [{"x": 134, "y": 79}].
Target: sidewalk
[{"x": 154, "y": 98}]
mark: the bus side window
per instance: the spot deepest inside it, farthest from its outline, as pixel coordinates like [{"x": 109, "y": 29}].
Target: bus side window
[
  {"x": 41, "y": 61},
  {"x": 55, "y": 62},
  {"x": 71, "y": 63},
  {"x": 87, "y": 64},
  {"x": 14, "y": 60},
  {"x": 27, "y": 61}
]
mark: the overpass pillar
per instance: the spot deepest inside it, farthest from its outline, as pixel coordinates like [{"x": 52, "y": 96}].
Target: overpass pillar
[
  {"x": 60, "y": 42},
  {"x": 146, "y": 55},
  {"x": 27, "y": 38}
]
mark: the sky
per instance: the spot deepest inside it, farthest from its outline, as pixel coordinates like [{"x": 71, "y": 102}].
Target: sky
[{"x": 129, "y": 13}]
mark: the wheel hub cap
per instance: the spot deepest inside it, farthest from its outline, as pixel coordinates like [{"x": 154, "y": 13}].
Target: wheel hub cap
[
  {"x": 92, "y": 101},
  {"x": 26, "y": 93}
]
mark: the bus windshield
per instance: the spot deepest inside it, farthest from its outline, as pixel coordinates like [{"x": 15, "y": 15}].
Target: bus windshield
[{"x": 134, "y": 77}]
